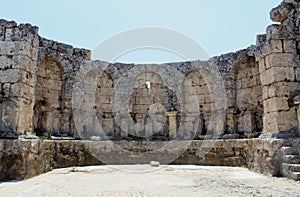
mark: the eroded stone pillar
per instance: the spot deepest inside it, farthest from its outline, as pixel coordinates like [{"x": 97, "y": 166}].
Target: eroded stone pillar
[{"x": 172, "y": 124}]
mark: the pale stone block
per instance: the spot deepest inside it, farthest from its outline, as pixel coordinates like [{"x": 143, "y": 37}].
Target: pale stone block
[
  {"x": 287, "y": 120},
  {"x": 276, "y": 46},
  {"x": 270, "y": 122},
  {"x": 22, "y": 90},
  {"x": 25, "y": 111},
  {"x": 7, "y": 48},
  {"x": 10, "y": 76},
  {"x": 276, "y": 104},
  {"x": 246, "y": 123},
  {"x": 255, "y": 70},
  {"x": 256, "y": 92},
  {"x": 6, "y": 62},
  {"x": 297, "y": 72},
  {"x": 289, "y": 46},
  {"x": 277, "y": 74},
  {"x": 282, "y": 60},
  {"x": 262, "y": 65}
]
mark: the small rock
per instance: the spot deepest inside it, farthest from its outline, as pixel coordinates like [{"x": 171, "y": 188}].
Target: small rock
[{"x": 154, "y": 164}]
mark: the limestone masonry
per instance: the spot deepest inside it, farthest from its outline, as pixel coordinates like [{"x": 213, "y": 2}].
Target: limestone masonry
[{"x": 242, "y": 107}]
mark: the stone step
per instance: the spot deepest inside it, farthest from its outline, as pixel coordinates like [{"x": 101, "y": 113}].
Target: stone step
[
  {"x": 289, "y": 151},
  {"x": 291, "y": 167},
  {"x": 295, "y": 176},
  {"x": 291, "y": 159}
]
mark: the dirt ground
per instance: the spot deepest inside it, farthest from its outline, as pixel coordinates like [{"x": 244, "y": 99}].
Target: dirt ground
[{"x": 143, "y": 180}]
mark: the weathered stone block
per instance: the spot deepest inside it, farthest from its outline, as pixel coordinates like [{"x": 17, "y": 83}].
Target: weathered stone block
[
  {"x": 262, "y": 65},
  {"x": 22, "y": 90},
  {"x": 282, "y": 60},
  {"x": 287, "y": 120},
  {"x": 266, "y": 92},
  {"x": 270, "y": 121},
  {"x": 275, "y": 104},
  {"x": 10, "y": 76},
  {"x": 276, "y": 46},
  {"x": 283, "y": 89},
  {"x": 289, "y": 46},
  {"x": 25, "y": 124},
  {"x": 281, "y": 12},
  {"x": 277, "y": 74},
  {"x": 297, "y": 72}
]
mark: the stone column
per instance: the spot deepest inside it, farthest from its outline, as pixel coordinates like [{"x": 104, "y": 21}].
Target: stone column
[
  {"x": 278, "y": 65},
  {"x": 19, "y": 51},
  {"x": 172, "y": 124}
]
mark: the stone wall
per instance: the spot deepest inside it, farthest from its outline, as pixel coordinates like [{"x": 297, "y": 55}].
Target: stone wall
[
  {"x": 56, "y": 69},
  {"x": 278, "y": 57},
  {"x": 243, "y": 93},
  {"x": 18, "y": 57},
  {"x": 20, "y": 159}
]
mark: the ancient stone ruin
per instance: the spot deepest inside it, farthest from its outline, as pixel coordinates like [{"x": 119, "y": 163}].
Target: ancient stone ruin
[{"x": 59, "y": 108}]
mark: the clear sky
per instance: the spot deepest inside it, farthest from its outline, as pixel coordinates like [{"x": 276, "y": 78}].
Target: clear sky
[{"x": 219, "y": 26}]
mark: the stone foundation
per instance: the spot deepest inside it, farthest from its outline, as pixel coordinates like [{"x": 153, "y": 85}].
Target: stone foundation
[{"x": 21, "y": 159}]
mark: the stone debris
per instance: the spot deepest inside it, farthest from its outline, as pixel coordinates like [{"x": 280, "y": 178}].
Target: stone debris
[{"x": 154, "y": 164}]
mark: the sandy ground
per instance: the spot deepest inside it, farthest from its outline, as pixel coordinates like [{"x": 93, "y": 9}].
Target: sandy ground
[{"x": 143, "y": 180}]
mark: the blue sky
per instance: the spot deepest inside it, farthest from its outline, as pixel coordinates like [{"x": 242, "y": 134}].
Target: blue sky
[{"x": 218, "y": 26}]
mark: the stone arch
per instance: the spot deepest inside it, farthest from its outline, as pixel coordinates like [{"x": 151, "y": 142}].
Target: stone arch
[
  {"x": 246, "y": 97},
  {"x": 103, "y": 104},
  {"x": 199, "y": 103},
  {"x": 148, "y": 105},
  {"x": 49, "y": 96}
]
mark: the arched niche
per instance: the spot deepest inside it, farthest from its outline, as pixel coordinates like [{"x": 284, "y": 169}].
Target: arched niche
[
  {"x": 148, "y": 106},
  {"x": 199, "y": 104},
  {"x": 48, "y": 108},
  {"x": 246, "y": 95},
  {"x": 104, "y": 102}
]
